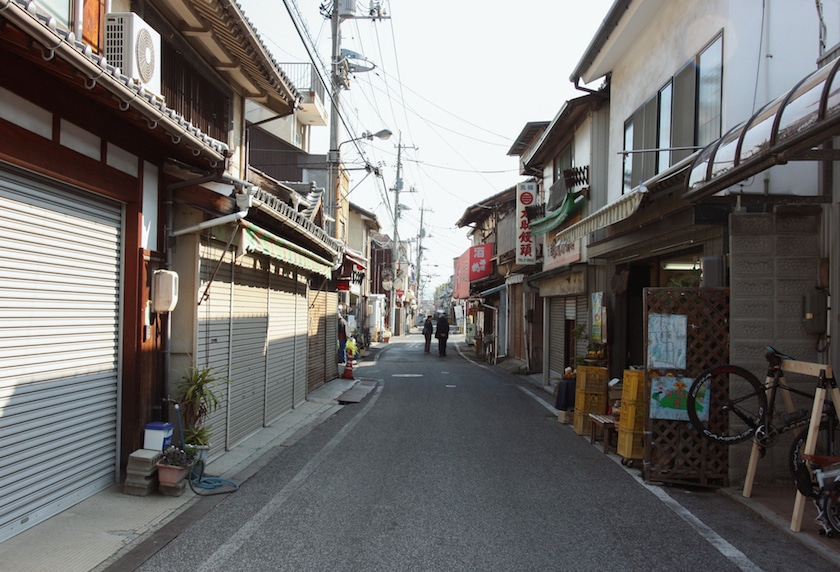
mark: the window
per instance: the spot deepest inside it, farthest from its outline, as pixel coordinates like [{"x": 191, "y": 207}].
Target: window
[
  {"x": 564, "y": 160},
  {"x": 686, "y": 112},
  {"x": 663, "y": 138},
  {"x": 709, "y": 92},
  {"x": 628, "y": 158},
  {"x": 66, "y": 13}
]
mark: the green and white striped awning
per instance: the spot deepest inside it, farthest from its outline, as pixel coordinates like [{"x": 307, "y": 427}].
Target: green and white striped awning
[
  {"x": 255, "y": 239},
  {"x": 610, "y": 214}
]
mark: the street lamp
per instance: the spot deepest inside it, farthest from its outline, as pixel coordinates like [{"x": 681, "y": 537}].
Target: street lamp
[{"x": 334, "y": 161}]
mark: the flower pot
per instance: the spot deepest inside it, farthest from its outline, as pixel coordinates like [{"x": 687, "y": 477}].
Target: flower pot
[{"x": 170, "y": 475}]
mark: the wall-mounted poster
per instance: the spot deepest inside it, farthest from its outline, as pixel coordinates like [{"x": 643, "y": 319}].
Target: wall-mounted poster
[
  {"x": 599, "y": 319},
  {"x": 667, "y": 334},
  {"x": 669, "y": 399}
]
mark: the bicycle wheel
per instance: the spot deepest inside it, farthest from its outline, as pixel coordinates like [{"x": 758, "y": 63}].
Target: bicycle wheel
[
  {"x": 832, "y": 507},
  {"x": 826, "y": 445},
  {"x": 726, "y": 403}
]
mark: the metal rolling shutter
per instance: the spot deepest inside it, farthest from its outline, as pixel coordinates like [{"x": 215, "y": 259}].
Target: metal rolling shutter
[
  {"x": 331, "y": 318},
  {"x": 317, "y": 344},
  {"x": 214, "y": 331},
  {"x": 557, "y": 326},
  {"x": 301, "y": 340},
  {"x": 281, "y": 344},
  {"x": 582, "y": 317},
  {"x": 248, "y": 349},
  {"x": 60, "y": 277}
]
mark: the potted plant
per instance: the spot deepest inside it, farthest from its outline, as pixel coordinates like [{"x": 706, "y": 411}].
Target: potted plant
[
  {"x": 199, "y": 397},
  {"x": 174, "y": 464}
]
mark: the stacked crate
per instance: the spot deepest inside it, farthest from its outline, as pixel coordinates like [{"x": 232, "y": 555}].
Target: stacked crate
[
  {"x": 590, "y": 396},
  {"x": 631, "y": 423}
]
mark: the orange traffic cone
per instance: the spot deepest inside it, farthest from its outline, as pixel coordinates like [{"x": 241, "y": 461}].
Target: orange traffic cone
[{"x": 348, "y": 367}]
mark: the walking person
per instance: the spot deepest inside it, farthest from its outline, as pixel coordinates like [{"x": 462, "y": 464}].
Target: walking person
[
  {"x": 442, "y": 334},
  {"x": 428, "y": 329}
]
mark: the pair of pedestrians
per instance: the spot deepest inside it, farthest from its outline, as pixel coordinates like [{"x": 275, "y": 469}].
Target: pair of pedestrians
[{"x": 441, "y": 333}]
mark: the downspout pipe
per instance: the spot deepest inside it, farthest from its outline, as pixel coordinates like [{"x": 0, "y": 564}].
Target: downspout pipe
[
  {"x": 596, "y": 92},
  {"x": 169, "y": 244}
]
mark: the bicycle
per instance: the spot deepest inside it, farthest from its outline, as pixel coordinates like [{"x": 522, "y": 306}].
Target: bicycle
[
  {"x": 727, "y": 404},
  {"x": 817, "y": 479}
]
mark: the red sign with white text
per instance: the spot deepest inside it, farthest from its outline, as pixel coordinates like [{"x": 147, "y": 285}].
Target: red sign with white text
[{"x": 474, "y": 264}]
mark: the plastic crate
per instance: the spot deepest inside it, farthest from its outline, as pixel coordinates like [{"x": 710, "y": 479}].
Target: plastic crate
[
  {"x": 633, "y": 385},
  {"x": 631, "y": 444},
  {"x": 592, "y": 378},
  {"x": 591, "y": 401},
  {"x": 632, "y": 416}
]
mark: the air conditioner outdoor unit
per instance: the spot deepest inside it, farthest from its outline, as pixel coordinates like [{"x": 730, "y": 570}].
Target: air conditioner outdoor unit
[{"x": 134, "y": 47}]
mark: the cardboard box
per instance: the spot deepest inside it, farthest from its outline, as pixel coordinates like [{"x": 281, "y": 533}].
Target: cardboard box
[{"x": 566, "y": 417}]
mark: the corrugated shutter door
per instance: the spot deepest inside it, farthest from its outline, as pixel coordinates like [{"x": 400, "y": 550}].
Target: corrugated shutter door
[
  {"x": 281, "y": 344},
  {"x": 248, "y": 349},
  {"x": 60, "y": 255},
  {"x": 331, "y": 318},
  {"x": 214, "y": 331},
  {"x": 556, "y": 343},
  {"x": 582, "y": 309},
  {"x": 316, "y": 373},
  {"x": 301, "y": 340}
]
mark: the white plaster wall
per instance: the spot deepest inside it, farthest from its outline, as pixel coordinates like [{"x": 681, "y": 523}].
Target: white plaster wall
[{"x": 681, "y": 28}]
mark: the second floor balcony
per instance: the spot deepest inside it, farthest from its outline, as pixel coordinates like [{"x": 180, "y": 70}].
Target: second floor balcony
[{"x": 305, "y": 78}]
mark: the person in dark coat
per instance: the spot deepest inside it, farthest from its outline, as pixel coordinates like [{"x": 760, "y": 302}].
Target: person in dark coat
[
  {"x": 442, "y": 334},
  {"x": 428, "y": 329}
]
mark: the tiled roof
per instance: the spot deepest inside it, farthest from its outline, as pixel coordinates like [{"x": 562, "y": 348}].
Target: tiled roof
[{"x": 55, "y": 41}]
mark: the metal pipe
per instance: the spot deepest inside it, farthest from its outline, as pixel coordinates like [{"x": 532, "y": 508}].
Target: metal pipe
[{"x": 211, "y": 223}]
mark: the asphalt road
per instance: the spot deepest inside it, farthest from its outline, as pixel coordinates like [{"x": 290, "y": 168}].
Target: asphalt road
[{"x": 452, "y": 465}]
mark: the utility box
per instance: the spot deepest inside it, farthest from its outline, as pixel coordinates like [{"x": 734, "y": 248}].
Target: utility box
[{"x": 164, "y": 291}]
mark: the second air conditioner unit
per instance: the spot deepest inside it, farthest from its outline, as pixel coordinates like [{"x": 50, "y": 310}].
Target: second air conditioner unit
[{"x": 134, "y": 47}]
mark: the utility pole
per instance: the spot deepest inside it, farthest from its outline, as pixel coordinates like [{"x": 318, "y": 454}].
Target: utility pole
[
  {"x": 395, "y": 252},
  {"x": 420, "y": 236},
  {"x": 343, "y": 63}
]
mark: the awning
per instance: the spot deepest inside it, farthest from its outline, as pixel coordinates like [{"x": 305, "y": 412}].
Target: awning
[
  {"x": 786, "y": 129},
  {"x": 356, "y": 257},
  {"x": 493, "y": 290},
  {"x": 255, "y": 239},
  {"x": 605, "y": 216}
]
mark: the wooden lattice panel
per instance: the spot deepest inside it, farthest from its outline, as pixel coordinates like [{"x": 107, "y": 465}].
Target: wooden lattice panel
[{"x": 674, "y": 451}]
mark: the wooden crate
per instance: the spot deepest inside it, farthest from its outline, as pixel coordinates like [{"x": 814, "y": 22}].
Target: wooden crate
[
  {"x": 633, "y": 385},
  {"x": 592, "y": 378},
  {"x": 632, "y": 416},
  {"x": 591, "y": 401},
  {"x": 582, "y": 423},
  {"x": 631, "y": 444}
]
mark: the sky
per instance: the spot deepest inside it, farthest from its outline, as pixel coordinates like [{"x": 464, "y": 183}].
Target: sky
[{"x": 456, "y": 82}]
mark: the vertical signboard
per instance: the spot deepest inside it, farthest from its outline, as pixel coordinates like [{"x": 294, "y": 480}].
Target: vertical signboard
[
  {"x": 525, "y": 249},
  {"x": 480, "y": 264}
]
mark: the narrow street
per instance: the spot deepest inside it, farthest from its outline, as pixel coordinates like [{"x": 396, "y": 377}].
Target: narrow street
[{"x": 452, "y": 465}]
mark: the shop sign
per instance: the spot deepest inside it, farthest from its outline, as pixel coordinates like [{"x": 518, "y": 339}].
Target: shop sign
[
  {"x": 559, "y": 253},
  {"x": 525, "y": 250}
]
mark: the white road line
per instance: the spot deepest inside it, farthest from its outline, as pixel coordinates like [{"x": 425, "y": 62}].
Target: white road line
[
  {"x": 731, "y": 553},
  {"x": 218, "y": 559}
]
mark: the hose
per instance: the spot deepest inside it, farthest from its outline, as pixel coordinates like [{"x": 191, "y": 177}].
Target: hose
[{"x": 196, "y": 478}]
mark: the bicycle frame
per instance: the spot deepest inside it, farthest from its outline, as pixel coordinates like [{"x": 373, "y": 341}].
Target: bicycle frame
[{"x": 766, "y": 433}]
